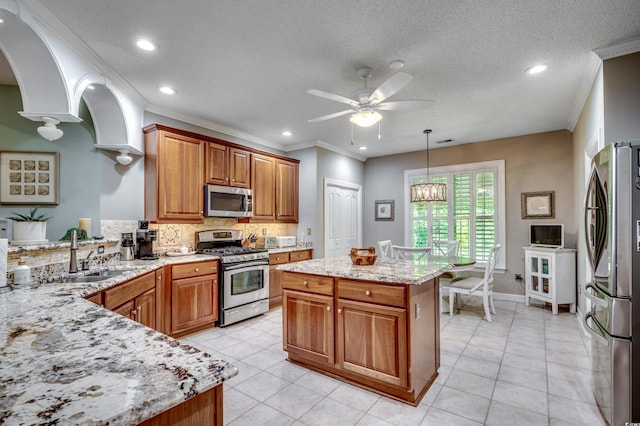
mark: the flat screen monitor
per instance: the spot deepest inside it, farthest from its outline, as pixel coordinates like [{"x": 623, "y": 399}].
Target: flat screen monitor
[{"x": 546, "y": 235}]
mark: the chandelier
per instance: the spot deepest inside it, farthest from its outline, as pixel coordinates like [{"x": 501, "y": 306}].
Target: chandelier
[{"x": 428, "y": 192}]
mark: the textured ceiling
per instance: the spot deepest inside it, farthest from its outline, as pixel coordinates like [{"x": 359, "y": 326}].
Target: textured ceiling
[{"x": 247, "y": 64}]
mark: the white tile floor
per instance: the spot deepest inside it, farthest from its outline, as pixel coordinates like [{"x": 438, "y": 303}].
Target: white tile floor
[{"x": 528, "y": 367}]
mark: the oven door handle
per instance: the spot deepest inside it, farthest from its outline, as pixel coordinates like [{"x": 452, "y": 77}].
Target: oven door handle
[
  {"x": 246, "y": 265},
  {"x": 596, "y": 335}
]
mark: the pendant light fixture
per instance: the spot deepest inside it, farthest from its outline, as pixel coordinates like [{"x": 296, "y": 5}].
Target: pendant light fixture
[{"x": 429, "y": 191}]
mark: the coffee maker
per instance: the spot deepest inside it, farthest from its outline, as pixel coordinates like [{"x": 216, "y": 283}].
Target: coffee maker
[{"x": 144, "y": 241}]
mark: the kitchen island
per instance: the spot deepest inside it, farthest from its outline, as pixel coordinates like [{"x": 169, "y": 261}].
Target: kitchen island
[
  {"x": 373, "y": 326},
  {"x": 65, "y": 360}
]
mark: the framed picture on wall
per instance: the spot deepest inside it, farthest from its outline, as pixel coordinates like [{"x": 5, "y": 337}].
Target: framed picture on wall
[
  {"x": 29, "y": 177},
  {"x": 384, "y": 210},
  {"x": 537, "y": 205}
]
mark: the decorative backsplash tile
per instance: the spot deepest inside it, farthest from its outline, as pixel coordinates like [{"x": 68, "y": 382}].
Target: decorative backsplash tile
[{"x": 169, "y": 235}]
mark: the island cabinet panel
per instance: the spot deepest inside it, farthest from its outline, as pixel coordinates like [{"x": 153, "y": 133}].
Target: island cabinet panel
[
  {"x": 204, "y": 409},
  {"x": 372, "y": 341},
  {"x": 308, "y": 326}
]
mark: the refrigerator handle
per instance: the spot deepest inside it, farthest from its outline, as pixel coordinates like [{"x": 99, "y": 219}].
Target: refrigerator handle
[
  {"x": 595, "y": 299},
  {"x": 597, "y": 336}
]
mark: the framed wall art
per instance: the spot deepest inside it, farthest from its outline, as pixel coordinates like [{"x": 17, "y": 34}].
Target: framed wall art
[
  {"x": 29, "y": 177},
  {"x": 538, "y": 205},
  {"x": 384, "y": 210}
]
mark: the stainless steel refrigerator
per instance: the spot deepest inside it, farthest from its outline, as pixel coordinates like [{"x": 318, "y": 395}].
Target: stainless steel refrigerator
[{"x": 612, "y": 221}]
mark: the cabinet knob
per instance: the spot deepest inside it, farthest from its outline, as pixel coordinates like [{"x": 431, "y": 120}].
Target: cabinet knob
[
  {"x": 277, "y": 258},
  {"x": 139, "y": 308},
  {"x": 134, "y": 312},
  {"x": 305, "y": 283},
  {"x": 340, "y": 310},
  {"x": 233, "y": 180},
  {"x": 197, "y": 269},
  {"x": 328, "y": 308},
  {"x": 368, "y": 293},
  {"x": 159, "y": 277},
  {"x": 226, "y": 178}
]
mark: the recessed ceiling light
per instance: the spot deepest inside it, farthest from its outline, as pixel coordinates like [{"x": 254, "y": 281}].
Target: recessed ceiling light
[
  {"x": 167, "y": 90},
  {"x": 362, "y": 148},
  {"x": 286, "y": 133},
  {"x": 1, "y": 19},
  {"x": 145, "y": 44},
  {"x": 91, "y": 87},
  {"x": 536, "y": 69},
  {"x": 396, "y": 65}
]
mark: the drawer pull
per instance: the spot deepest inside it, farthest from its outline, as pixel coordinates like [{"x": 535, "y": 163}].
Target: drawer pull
[
  {"x": 197, "y": 269},
  {"x": 277, "y": 258},
  {"x": 305, "y": 283},
  {"x": 340, "y": 310},
  {"x": 133, "y": 312},
  {"x": 368, "y": 293}
]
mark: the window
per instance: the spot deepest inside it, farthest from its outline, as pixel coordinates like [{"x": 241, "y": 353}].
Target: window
[{"x": 474, "y": 213}]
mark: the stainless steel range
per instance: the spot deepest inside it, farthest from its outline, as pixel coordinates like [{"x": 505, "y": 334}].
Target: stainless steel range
[{"x": 244, "y": 274}]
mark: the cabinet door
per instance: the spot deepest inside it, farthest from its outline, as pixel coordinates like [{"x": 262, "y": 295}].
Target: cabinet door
[
  {"x": 145, "y": 308},
  {"x": 194, "y": 302},
  {"x": 239, "y": 167},
  {"x": 126, "y": 310},
  {"x": 217, "y": 164},
  {"x": 540, "y": 275},
  {"x": 308, "y": 326},
  {"x": 372, "y": 341},
  {"x": 263, "y": 185},
  {"x": 286, "y": 191},
  {"x": 180, "y": 181},
  {"x": 275, "y": 277}
]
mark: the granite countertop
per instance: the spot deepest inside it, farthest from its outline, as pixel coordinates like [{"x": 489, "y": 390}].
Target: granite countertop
[
  {"x": 384, "y": 270},
  {"x": 66, "y": 360},
  {"x": 288, "y": 249}
]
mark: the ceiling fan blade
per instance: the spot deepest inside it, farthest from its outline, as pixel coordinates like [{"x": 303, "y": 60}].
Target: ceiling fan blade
[
  {"x": 404, "y": 105},
  {"x": 333, "y": 97},
  {"x": 329, "y": 116},
  {"x": 389, "y": 87}
]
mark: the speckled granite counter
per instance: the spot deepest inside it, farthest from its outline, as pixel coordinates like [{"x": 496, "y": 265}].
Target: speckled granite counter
[
  {"x": 65, "y": 360},
  {"x": 384, "y": 270}
]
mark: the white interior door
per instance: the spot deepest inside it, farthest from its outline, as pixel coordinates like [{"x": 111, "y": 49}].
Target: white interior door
[{"x": 342, "y": 217}]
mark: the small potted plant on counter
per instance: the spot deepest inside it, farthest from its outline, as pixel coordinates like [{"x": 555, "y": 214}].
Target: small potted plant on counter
[{"x": 29, "y": 229}]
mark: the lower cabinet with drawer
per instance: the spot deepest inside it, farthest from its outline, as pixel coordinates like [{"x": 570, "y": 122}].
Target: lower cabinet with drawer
[
  {"x": 275, "y": 276},
  {"x": 135, "y": 299},
  {"x": 194, "y": 296},
  {"x": 380, "y": 336}
]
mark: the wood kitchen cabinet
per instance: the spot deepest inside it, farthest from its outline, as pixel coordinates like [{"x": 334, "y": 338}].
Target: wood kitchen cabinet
[
  {"x": 135, "y": 299},
  {"x": 263, "y": 175},
  {"x": 308, "y": 319},
  {"x": 275, "y": 276},
  {"x": 227, "y": 165},
  {"x": 286, "y": 191},
  {"x": 194, "y": 296},
  {"x": 174, "y": 176},
  {"x": 372, "y": 338},
  {"x": 386, "y": 335}
]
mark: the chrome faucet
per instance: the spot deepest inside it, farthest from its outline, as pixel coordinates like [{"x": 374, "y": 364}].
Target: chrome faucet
[
  {"x": 73, "y": 261},
  {"x": 85, "y": 262}
]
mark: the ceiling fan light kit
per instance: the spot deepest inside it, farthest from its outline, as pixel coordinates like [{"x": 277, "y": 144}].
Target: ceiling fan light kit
[
  {"x": 428, "y": 192},
  {"x": 365, "y": 118}
]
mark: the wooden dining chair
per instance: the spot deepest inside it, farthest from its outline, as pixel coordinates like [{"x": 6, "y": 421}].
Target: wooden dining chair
[
  {"x": 476, "y": 286},
  {"x": 386, "y": 251},
  {"x": 410, "y": 253}
]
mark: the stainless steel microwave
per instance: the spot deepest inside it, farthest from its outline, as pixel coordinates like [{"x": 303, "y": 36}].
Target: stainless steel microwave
[{"x": 227, "y": 201}]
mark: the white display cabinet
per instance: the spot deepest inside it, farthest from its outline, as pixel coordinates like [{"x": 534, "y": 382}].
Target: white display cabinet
[{"x": 550, "y": 276}]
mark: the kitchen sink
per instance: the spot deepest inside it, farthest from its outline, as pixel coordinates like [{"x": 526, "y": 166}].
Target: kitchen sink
[{"x": 93, "y": 276}]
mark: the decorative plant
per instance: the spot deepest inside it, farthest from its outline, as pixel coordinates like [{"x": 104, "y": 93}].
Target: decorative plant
[{"x": 33, "y": 217}]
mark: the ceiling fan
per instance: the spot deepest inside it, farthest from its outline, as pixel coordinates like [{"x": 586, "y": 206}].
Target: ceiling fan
[{"x": 366, "y": 102}]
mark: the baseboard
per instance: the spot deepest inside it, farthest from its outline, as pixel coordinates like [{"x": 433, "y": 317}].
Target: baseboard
[{"x": 508, "y": 296}]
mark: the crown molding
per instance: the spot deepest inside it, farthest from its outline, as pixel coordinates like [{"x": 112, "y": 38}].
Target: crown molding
[
  {"x": 589, "y": 75},
  {"x": 619, "y": 49}
]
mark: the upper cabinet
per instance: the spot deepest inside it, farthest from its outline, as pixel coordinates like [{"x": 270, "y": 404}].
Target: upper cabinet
[
  {"x": 179, "y": 163},
  {"x": 286, "y": 191},
  {"x": 229, "y": 166},
  {"x": 173, "y": 170}
]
